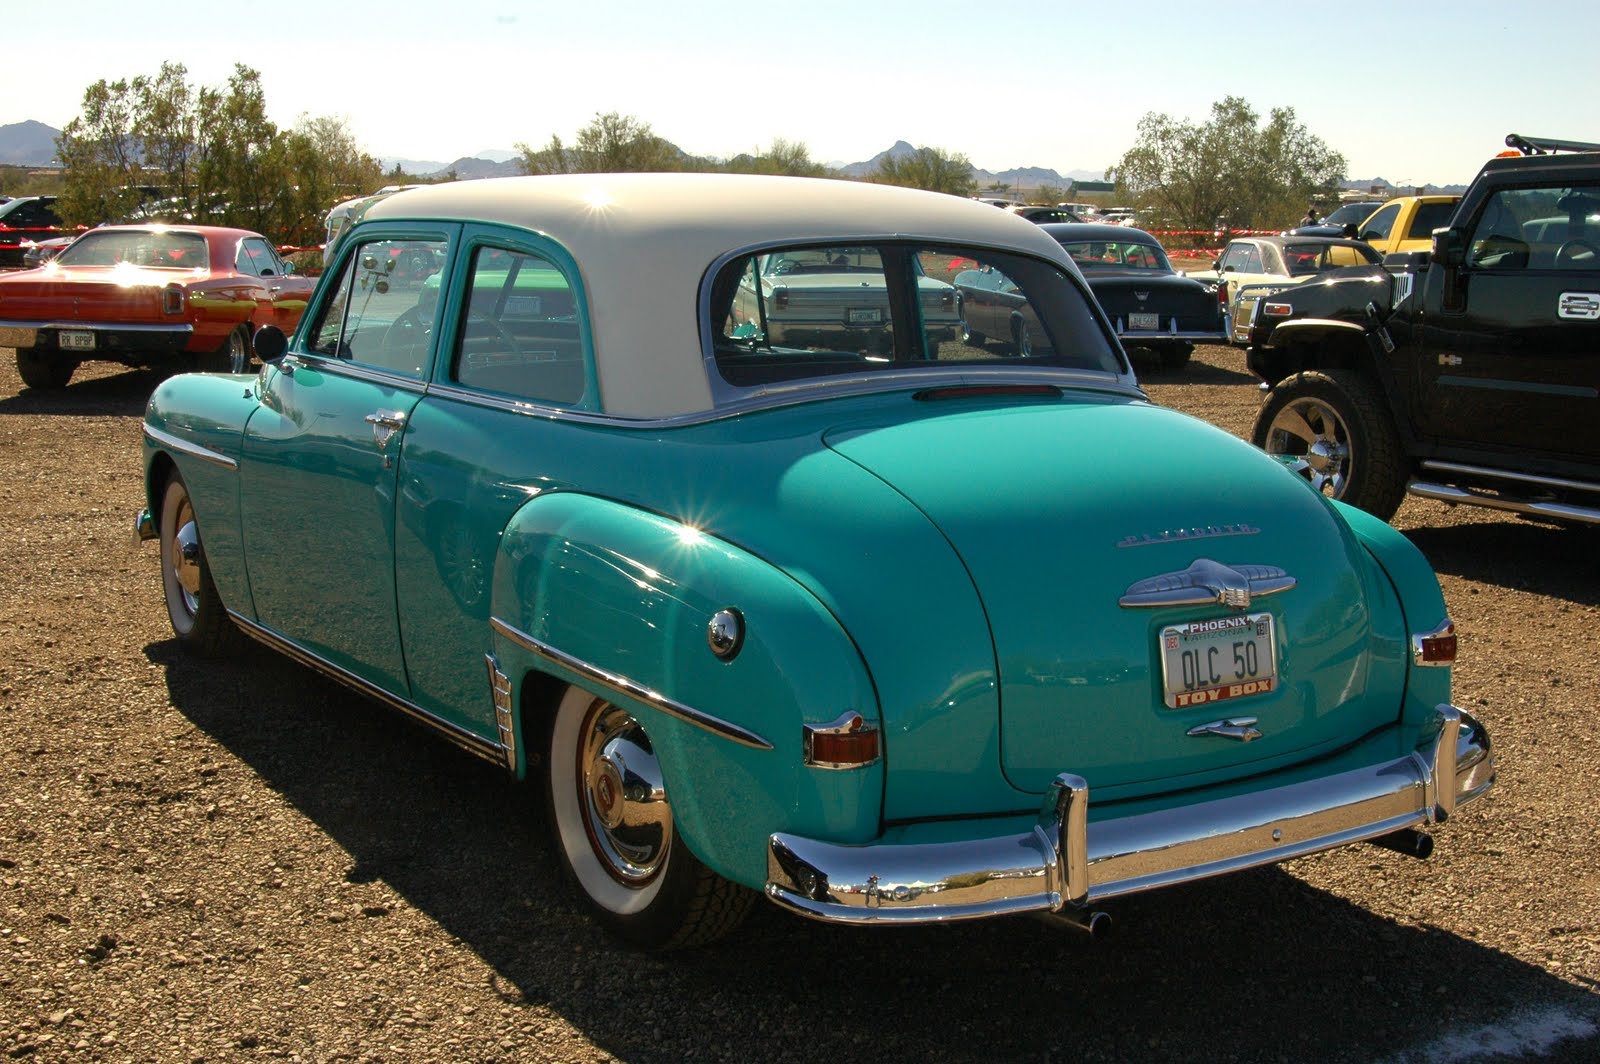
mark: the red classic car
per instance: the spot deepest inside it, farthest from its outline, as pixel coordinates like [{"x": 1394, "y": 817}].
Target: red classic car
[{"x": 143, "y": 294}]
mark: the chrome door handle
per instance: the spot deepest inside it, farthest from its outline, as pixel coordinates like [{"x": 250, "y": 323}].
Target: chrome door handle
[{"x": 385, "y": 423}]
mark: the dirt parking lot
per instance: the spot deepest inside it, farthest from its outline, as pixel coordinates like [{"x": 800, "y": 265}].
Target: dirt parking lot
[{"x": 219, "y": 863}]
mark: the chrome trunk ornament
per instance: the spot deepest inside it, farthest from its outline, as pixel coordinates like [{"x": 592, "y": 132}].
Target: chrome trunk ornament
[
  {"x": 1241, "y": 728},
  {"x": 1206, "y": 582}
]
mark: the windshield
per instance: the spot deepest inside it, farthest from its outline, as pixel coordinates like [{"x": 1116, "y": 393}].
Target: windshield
[
  {"x": 138, "y": 247},
  {"x": 1351, "y": 213},
  {"x": 791, "y": 314},
  {"x": 1122, "y": 255},
  {"x": 1303, "y": 260}
]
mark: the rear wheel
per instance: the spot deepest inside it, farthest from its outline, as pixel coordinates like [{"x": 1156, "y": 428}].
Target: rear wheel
[
  {"x": 193, "y": 605},
  {"x": 234, "y": 354},
  {"x": 613, "y": 827},
  {"x": 1021, "y": 342},
  {"x": 1336, "y": 424},
  {"x": 40, "y": 370}
]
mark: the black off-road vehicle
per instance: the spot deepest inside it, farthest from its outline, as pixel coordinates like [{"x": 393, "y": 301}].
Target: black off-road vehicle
[{"x": 1470, "y": 373}]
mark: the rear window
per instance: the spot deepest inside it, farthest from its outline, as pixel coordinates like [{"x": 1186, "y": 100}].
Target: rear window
[
  {"x": 794, "y": 313},
  {"x": 138, "y": 247}
]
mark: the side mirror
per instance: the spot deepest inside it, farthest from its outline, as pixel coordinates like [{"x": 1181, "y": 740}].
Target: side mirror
[
  {"x": 1450, "y": 247},
  {"x": 270, "y": 343},
  {"x": 288, "y": 267}
]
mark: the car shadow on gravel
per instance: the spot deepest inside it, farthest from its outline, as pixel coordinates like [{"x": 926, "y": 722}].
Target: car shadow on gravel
[
  {"x": 1256, "y": 966},
  {"x": 1546, "y": 560},
  {"x": 1196, "y": 372},
  {"x": 113, "y": 391}
]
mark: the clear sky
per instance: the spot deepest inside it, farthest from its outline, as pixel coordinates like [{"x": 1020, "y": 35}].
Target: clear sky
[{"x": 1415, "y": 93}]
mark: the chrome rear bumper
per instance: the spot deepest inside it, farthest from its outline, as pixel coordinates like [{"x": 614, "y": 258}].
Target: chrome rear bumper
[{"x": 1064, "y": 862}]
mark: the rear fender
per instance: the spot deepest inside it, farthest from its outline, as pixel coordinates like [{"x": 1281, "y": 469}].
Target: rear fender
[
  {"x": 1421, "y": 604},
  {"x": 618, "y": 601}
]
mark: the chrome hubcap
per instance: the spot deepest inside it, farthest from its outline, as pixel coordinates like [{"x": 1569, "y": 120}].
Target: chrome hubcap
[
  {"x": 1312, "y": 430},
  {"x": 185, "y": 560},
  {"x": 623, "y": 799}
]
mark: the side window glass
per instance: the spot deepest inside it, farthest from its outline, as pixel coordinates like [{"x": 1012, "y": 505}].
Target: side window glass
[
  {"x": 383, "y": 311},
  {"x": 256, "y": 258},
  {"x": 1377, "y": 227},
  {"x": 1497, "y": 241},
  {"x": 519, "y": 335},
  {"x": 1250, "y": 261}
]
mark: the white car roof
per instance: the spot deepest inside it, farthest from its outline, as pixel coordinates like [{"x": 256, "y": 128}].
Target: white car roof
[{"x": 644, "y": 242}]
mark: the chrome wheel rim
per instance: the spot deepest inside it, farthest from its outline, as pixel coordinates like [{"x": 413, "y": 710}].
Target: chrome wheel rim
[
  {"x": 1313, "y": 431},
  {"x": 621, "y": 797},
  {"x": 238, "y": 352}
]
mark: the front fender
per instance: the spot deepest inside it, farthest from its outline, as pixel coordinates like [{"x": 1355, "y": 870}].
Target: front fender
[
  {"x": 194, "y": 423},
  {"x": 618, "y": 592}
]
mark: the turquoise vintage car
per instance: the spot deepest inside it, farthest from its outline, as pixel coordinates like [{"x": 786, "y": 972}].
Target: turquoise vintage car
[{"x": 891, "y": 628}]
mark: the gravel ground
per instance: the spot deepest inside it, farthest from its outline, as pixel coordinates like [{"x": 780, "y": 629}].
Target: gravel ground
[{"x": 202, "y": 862}]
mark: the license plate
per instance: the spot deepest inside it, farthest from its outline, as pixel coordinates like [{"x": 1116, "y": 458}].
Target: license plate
[
  {"x": 1218, "y": 660},
  {"x": 864, "y": 316},
  {"x": 75, "y": 341},
  {"x": 1144, "y": 321}
]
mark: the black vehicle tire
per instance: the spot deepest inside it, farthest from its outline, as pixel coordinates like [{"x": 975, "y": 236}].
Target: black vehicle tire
[
  {"x": 972, "y": 337},
  {"x": 233, "y": 356},
  {"x": 1336, "y": 421},
  {"x": 611, "y": 823},
  {"x": 1021, "y": 342},
  {"x": 1174, "y": 356},
  {"x": 39, "y": 370},
  {"x": 195, "y": 609}
]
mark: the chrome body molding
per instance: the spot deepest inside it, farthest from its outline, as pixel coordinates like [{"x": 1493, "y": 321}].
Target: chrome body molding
[
  {"x": 505, "y": 718},
  {"x": 627, "y": 688},
  {"x": 1062, "y": 860},
  {"x": 183, "y": 446},
  {"x": 468, "y": 741}
]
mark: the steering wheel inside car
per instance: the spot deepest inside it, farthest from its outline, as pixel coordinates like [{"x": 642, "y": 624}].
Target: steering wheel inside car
[{"x": 1574, "y": 250}]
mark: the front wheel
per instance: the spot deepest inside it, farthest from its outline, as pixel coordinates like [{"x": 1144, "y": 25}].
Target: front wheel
[
  {"x": 613, "y": 827},
  {"x": 44, "y": 371},
  {"x": 198, "y": 618},
  {"x": 1335, "y": 422}
]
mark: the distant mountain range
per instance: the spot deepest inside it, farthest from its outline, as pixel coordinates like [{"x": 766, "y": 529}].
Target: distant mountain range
[{"x": 34, "y": 144}]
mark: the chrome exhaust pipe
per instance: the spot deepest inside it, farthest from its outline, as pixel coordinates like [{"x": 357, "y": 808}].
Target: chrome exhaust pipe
[
  {"x": 1091, "y": 922},
  {"x": 1409, "y": 841}
]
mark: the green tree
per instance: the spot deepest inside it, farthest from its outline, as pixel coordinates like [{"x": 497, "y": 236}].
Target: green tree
[
  {"x": 929, "y": 168},
  {"x": 612, "y": 143},
  {"x": 1231, "y": 169},
  {"x": 99, "y": 154},
  {"x": 327, "y": 166},
  {"x": 784, "y": 157}
]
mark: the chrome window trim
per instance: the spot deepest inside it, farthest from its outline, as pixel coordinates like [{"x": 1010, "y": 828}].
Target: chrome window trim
[
  {"x": 183, "y": 446},
  {"x": 628, "y": 688},
  {"x": 471, "y": 742},
  {"x": 345, "y": 367}
]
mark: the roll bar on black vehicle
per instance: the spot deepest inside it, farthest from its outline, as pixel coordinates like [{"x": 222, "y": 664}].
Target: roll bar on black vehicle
[{"x": 1546, "y": 145}]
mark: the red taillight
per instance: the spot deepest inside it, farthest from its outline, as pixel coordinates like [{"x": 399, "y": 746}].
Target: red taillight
[
  {"x": 1437, "y": 647},
  {"x": 1276, "y": 310},
  {"x": 172, "y": 299},
  {"x": 848, "y": 742}
]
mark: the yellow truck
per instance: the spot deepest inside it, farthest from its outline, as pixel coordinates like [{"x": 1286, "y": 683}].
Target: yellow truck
[{"x": 1406, "y": 223}]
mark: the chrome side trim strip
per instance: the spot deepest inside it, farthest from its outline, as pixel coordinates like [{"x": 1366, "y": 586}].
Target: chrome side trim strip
[
  {"x": 622, "y": 685},
  {"x": 1064, "y": 861},
  {"x": 466, "y": 740},
  {"x": 1448, "y": 493},
  {"x": 1504, "y": 474},
  {"x": 183, "y": 446}
]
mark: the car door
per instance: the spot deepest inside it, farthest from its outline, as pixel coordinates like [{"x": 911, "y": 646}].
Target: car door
[
  {"x": 1514, "y": 362},
  {"x": 280, "y": 296},
  {"x": 320, "y": 459}
]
